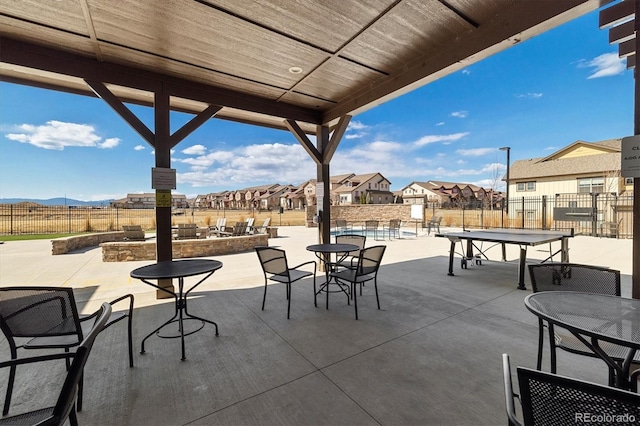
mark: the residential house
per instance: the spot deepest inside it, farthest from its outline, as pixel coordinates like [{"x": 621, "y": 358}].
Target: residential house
[
  {"x": 421, "y": 193},
  {"x": 572, "y": 177},
  {"x": 148, "y": 201},
  {"x": 372, "y": 188},
  {"x": 579, "y": 168}
]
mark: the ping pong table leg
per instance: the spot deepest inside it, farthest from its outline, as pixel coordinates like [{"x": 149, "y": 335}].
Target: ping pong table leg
[
  {"x": 504, "y": 252},
  {"x": 451, "y": 251},
  {"x": 564, "y": 255},
  {"x": 521, "y": 267}
]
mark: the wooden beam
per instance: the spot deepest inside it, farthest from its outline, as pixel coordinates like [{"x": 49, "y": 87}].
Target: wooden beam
[
  {"x": 627, "y": 48},
  {"x": 336, "y": 137},
  {"x": 616, "y": 14},
  {"x": 304, "y": 141},
  {"x": 622, "y": 33},
  {"x": 62, "y": 62},
  {"x": 193, "y": 124},
  {"x": 121, "y": 109},
  {"x": 631, "y": 62}
]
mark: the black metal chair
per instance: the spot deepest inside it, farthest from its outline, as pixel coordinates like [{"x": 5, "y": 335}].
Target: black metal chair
[
  {"x": 49, "y": 317},
  {"x": 351, "y": 258},
  {"x": 276, "y": 268},
  {"x": 581, "y": 278},
  {"x": 65, "y": 407},
  {"x": 549, "y": 399},
  {"x": 365, "y": 270}
]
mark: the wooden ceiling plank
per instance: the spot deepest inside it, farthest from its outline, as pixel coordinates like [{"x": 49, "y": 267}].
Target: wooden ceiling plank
[
  {"x": 193, "y": 124},
  {"x": 616, "y": 14},
  {"x": 122, "y": 110},
  {"x": 622, "y": 33},
  {"x": 631, "y": 62},
  {"x": 521, "y": 23}
]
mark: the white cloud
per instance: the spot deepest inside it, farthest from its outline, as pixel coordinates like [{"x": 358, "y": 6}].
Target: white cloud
[
  {"x": 109, "y": 143},
  {"x": 441, "y": 123},
  {"x": 529, "y": 95},
  {"x": 195, "y": 150},
  {"x": 139, "y": 147},
  {"x": 58, "y": 135},
  {"x": 475, "y": 152},
  {"x": 356, "y": 125},
  {"x": 605, "y": 65},
  {"x": 459, "y": 114},
  {"x": 249, "y": 165},
  {"x": 355, "y": 135},
  {"x": 466, "y": 71},
  {"x": 425, "y": 140}
]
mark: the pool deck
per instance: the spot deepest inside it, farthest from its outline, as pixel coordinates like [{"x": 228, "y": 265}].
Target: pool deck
[{"x": 430, "y": 356}]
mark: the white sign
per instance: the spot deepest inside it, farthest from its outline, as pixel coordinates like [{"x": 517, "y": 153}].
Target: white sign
[
  {"x": 630, "y": 157},
  {"x": 417, "y": 211},
  {"x": 320, "y": 189},
  {"x": 162, "y": 178}
]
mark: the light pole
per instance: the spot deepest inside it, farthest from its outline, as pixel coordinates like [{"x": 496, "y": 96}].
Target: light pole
[{"x": 508, "y": 149}]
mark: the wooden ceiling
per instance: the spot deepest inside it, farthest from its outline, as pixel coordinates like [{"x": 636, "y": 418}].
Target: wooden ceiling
[{"x": 237, "y": 54}]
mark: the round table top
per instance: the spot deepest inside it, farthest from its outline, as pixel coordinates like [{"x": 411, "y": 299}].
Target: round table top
[
  {"x": 332, "y": 248},
  {"x": 176, "y": 269},
  {"x": 612, "y": 318}
]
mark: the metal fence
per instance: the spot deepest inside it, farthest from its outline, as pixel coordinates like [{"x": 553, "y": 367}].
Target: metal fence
[
  {"x": 31, "y": 219},
  {"x": 598, "y": 214},
  {"x": 604, "y": 215}
]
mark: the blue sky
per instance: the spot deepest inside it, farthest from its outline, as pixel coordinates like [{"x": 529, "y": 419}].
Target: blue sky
[{"x": 536, "y": 97}]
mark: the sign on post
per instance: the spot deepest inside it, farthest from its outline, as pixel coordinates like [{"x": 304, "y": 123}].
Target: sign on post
[
  {"x": 630, "y": 157},
  {"x": 163, "y": 178}
]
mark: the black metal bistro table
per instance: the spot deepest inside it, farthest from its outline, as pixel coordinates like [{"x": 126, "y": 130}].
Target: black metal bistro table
[
  {"x": 323, "y": 252},
  {"x": 179, "y": 269},
  {"x": 593, "y": 318}
]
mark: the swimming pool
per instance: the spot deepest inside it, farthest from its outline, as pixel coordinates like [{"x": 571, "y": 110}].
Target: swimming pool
[{"x": 369, "y": 233}]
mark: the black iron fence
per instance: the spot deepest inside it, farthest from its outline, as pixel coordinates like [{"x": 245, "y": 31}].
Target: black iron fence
[
  {"x": 598, "y": 214},
  {"x": 605, "y": 215}
]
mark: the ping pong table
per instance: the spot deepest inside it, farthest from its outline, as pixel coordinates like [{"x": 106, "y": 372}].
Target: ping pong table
[{"x": 521, "y": 237}]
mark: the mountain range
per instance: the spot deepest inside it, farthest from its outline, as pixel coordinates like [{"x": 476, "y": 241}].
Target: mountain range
[{"x": 60, "y": 201}]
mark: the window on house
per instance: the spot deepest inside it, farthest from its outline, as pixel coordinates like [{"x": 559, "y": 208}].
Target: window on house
[
  {"x": 628, "y": 181},
  {"x": 526, "y": 186},
  {"x": 589, "y": 185}
]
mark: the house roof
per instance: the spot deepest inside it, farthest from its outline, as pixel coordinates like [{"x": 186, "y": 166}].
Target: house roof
[
  {"x": 262, "y": 62},
  {"x": 605, "y": 158}
]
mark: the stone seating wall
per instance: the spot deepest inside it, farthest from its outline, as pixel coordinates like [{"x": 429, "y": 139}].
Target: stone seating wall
[
  {"x": 126, "y": 251},
  {"x": 66, "y": 244}
]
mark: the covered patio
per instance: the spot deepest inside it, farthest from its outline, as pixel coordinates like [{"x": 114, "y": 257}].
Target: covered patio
[{"x": 431, "y": 355}]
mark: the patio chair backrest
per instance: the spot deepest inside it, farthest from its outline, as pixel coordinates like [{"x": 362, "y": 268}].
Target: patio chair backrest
[
  {"x": 551, "y": 399},
  {"x": 38, "y": 312},
  {"x": 358, "y": 240},
  {"x": 273, "y": 261},
  {"x": 240, "y": 228},
  {"x": 370, "y": 259},
  {"x": 371, "y": 224},
  {"x": 574, "y": 277}
]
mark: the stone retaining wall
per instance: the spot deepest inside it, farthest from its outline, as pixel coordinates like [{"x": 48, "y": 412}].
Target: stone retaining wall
[
  {"x": 146, "y": 250},
  {"x": 66, "y": 244},
  {"x": 358, "y": 213}
]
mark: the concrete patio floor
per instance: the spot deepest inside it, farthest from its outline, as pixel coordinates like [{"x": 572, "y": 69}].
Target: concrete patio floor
[{"x": 430, "y": 356}]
